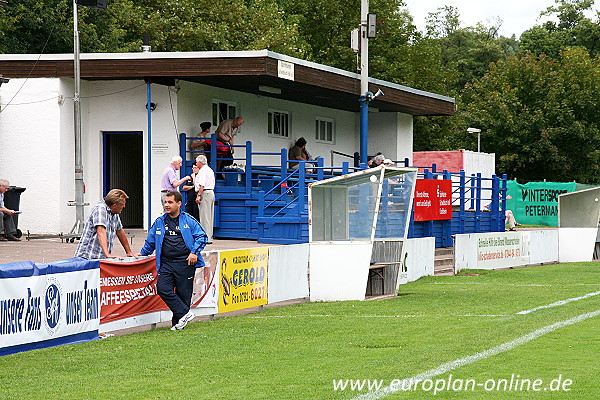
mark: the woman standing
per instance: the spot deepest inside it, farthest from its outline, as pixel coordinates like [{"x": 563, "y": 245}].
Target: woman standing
[{"x": 190, "y": 204}]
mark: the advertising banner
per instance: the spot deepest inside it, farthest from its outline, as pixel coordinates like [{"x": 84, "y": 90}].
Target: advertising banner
[
  {"x": 128, "y": 288},
  {"x": 536, "y": 203},
  {"x": 206, "y": 290},
  {"x": 502, "y": 249},
  {"x": 433, "y": 199},
  {"x": 243, "y": 278},
  {"x": 44, "y": 305}
]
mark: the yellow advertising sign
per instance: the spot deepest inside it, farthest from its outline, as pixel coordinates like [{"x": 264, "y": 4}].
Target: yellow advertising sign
[{"x": 243, "y": 282}]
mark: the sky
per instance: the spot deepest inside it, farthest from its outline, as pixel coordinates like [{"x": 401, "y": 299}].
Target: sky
[{"x": 517, "y": 15}]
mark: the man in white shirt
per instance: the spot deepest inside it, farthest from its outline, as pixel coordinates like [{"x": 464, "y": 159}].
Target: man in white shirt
[{"x": 205, "y": 185}]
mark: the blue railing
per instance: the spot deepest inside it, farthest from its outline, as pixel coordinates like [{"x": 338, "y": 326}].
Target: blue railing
[{"x": 280, "y": 194}]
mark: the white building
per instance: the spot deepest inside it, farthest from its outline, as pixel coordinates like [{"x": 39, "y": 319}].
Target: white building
[{"x": 306, "y": 99}]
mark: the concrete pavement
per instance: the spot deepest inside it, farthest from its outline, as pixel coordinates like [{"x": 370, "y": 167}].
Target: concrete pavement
[{"x": 53, "y": 249}]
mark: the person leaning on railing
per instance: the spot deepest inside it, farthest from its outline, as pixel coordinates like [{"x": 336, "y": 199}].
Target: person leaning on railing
[{"x": 225, "y": 132}]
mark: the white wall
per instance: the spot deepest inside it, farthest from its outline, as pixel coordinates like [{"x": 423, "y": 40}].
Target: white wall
[
  {"x": 543, "y": 246},
  {"x": 288, "y": 272},
  {"x": 404, "y": 137},
  {"x": 418, "y": 257},
  {"x": 474, "y": 162},
  {"x": 576, "y": 244},
  {"x": 339, "y": 270},
  {"x": 391, "y": 134},
  {"x": 32, "y": 147}
]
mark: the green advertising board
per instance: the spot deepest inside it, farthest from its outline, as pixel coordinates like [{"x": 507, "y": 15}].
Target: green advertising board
[{"x": 536, "y": 203}]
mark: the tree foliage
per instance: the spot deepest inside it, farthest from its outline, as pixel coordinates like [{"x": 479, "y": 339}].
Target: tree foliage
[
  {"x": 176, "y": 25},
  {"x": 535, "y": 98},
  {"x": 538, "y": 115},
  {"x": 571, "y": 28}
]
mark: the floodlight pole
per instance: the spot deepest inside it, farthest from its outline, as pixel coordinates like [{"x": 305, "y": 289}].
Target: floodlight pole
[
  {"x": 364, "y": 82},
  {"x": 79, "y": 184},
  {"x": 478, "y": 132}
]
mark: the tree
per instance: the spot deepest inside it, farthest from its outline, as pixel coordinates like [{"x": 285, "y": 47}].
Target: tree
[
  {"x": 459, "y": 56},
  {"x": 174, "y": 25},
  {"x": 572, "y": 29},
  {"x": 538, "y": 116}
]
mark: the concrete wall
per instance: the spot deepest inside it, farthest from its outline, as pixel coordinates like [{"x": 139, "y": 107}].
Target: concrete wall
[
  {"x": 339, "y": 270},
  {"x": 521, "y": 248},
  {"x": 288, "y": 272},
  {"x": 391, "y": 134}
]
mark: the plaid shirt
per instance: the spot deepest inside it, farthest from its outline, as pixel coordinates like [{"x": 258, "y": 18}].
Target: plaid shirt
[{"x": 89, "y": 245}]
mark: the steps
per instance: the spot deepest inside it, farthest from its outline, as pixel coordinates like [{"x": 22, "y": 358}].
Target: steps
[{"x": 444, "y": 261}]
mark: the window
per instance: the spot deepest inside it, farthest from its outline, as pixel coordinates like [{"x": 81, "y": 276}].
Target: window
[
  {"x": 278, "y": 124},
  {"x": 325, "y": 130},
  {"x": 222, "y": 110}
]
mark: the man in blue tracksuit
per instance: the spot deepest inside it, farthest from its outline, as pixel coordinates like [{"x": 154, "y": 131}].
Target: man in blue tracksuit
[{"x": 178, "y": 240}]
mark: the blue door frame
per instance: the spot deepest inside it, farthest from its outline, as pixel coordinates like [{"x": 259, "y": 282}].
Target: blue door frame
[{"x": 106, "y": 157}]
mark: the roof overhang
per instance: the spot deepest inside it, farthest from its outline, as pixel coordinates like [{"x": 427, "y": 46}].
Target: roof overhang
[{"x": 245, "y": 71}]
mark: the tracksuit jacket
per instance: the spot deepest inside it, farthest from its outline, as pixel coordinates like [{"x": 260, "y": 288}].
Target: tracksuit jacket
[{"x": 193, "y": 235}]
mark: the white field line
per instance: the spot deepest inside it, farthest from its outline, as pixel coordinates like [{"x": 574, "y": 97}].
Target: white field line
[
  {"x": 515, "y": 284},
  {"x": 376, "y": 316},
  {"x": 486, "y": 283},
  {"x": 451, "y": 365},
  {"x": 559, "y": 303}
]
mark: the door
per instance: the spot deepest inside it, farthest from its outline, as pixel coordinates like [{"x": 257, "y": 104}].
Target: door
[{"x": 123, "y": 169}]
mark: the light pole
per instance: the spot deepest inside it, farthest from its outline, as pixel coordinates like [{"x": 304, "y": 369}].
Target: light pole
[
  {"x": 79, "y": 184},
  {"x": 368, "y": 25},
  {"x": 478, "y": 132}
]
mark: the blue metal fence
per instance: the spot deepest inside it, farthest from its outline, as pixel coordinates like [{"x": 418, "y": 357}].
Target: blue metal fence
[{"x": 270, "y": 201}]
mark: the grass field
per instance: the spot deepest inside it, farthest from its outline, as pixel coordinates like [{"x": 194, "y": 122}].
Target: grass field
[{"x": 442, "y": 329}]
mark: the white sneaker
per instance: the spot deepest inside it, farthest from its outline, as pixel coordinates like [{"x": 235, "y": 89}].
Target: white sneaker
[{"x": 184, "y": 321}]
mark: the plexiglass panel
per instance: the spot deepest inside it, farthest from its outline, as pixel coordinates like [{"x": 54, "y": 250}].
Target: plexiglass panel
[
  {"x": 395, "y": 206},
  {"x": 344, "y": 208}
]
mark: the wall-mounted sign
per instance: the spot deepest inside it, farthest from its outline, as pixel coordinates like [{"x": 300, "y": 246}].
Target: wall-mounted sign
[
  {"x": 285, "y": 70},
  {"x": 433, "y": 199},
  {"x": 159, "y": 149}
]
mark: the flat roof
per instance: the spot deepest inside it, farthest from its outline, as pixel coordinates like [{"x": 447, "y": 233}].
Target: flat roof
[{"x": 247, "y": 71}]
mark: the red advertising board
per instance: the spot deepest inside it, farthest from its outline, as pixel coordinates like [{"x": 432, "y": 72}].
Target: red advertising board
[
  {"x": 433, "y": 199},
  {"x": 128, "y": 289}
]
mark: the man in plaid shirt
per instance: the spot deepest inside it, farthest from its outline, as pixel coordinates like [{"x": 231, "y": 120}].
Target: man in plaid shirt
[{"x": 101, "y": 227}]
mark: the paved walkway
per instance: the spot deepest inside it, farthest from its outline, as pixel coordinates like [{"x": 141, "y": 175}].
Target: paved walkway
[{"x": 54, "y": 249}]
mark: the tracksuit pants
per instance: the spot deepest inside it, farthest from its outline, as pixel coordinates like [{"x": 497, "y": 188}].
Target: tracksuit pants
[{"x": 175, "y": 285}]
